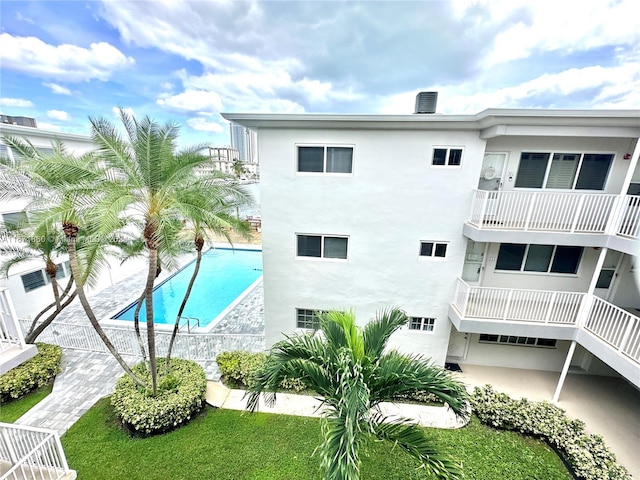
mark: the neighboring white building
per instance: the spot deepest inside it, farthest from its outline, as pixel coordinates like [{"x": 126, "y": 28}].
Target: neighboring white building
[{"x": 508, "y": 236}]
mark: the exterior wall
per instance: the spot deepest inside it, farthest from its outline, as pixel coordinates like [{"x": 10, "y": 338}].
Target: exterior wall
[
  {"x": 548, "y": 359},
  {"x": 393, "y": 200}
]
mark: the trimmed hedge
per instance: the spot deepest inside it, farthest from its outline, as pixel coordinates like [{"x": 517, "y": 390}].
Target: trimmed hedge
[
  {"x": 32, "y": 374},
  {"x": 238, "y": 366},
  {"x": 586, "y": 454},
  {"x": 181, "y": 396}
]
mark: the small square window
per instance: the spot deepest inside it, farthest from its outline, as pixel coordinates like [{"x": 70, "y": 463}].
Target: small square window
[
  {"x": 308, "y": 319},
  {"x": 422, "y": 323},
  {"x": 433, "y": 249}
]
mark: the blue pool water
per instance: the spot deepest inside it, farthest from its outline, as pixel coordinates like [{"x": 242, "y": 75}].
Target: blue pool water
[{"x": 224, "y": 275}]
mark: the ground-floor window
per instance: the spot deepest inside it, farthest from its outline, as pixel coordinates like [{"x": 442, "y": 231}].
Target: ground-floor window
[
  {"x": 307, "y": 318},
  {"x": 424, "y": 324},
  {"x": 521, "y": 341}
]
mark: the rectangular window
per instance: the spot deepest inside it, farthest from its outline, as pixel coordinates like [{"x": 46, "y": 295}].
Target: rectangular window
[
  {"x": 33, "y": 280},
  {"x": 447, "y": 156},
  {"x": 569, "y": 171},
  {"x": 322, "y": 246},
  {"x": 13, "y": 220},
  {"x": 433, "y": 249},
  {"x": 422, "y": 323},
  {"x": 308, "y": 319},
  {"x": 519, "y": 341},
  {"x": 325, "y": 159},
  {"x": 539, "y": 258}
]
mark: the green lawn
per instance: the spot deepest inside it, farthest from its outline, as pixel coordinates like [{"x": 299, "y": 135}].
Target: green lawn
[
  {"x": 226, "y": 444},
  {"x": 13, "y": 410}
]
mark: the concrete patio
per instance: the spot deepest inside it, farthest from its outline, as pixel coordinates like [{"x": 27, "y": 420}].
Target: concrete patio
[{"x": 609, "y": 406}]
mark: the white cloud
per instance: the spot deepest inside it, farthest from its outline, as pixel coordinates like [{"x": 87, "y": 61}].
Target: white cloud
[
  {"x": 58, "y": 89},
  {"x": 65, "y": 62},
  {"x": 49, "y": 126},
  {"x": 205, "y": 125},
  {"x": 127, "y": 110},
  {"x": 15, "y": 102},
  {"x": 616, "y": 87},
  {"x": 58, "y": 114},
  {"x": 201, "y": 101}
]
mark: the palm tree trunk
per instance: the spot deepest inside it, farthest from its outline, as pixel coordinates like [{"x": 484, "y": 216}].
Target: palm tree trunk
[
  {"x": 50, "y": 306},
  {"x": 52, "y": 270},
  {"x": 151, "y": 336},
  {"x": 71, "y": 232},
  {"x": 199, "y": 243},
  {"x": 35, "y": 332},
  {"x": 136, "y": 327}
]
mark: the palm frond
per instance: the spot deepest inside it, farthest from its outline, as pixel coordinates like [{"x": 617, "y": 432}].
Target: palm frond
[{"x": 377, "y": 332}]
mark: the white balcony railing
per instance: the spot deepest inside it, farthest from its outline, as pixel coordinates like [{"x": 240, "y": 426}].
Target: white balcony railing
[
  {"x": 546, "y": 211},
  {"x": 518, "y": 305},
  {"x": 615, "y": 326},
  {"x": 10, "y": 331},
  {"x": 31, "y": 453},
  {"x": 629, "y": 225}
]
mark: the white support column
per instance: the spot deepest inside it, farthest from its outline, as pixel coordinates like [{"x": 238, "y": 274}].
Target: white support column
[
  {"x": 565, "y": 370},
  {"x": 597, "y": 271}
]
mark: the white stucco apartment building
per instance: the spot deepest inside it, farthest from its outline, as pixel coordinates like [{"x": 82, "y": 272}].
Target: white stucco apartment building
[{"x": 508, "y": 236}]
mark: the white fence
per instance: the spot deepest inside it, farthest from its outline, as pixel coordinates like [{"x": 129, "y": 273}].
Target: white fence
[
  {"x": 194, "y": 346},
  {"x": 556, "y": 211},
  {"x": 32, "y": 453},
  {"x": 617, "y": 327},
  {"x": 613, "y": 325},
  {"x": 10, "y": 332}
]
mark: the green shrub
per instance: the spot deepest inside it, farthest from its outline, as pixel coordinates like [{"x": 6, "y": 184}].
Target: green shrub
[
  {"x": 32, "y": 374},
  {"x": 294, "y": 384},
  {"x": 180, "y": 396},
  {"x": 587, "y": 454},
  {"x": 238, "y": 366}
]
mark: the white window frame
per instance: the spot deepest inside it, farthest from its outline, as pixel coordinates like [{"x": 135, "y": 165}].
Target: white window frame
[
  {"x": 43, "y": 274},
  {"x": 324, "y": 172},
  {"x": 425, "y": 324},
  {"x": 433, "y": 255},
  {"x": 322, "y": 247},
  {"x": 448, "y": 148},
  {"x": 308, "y": 313},
  {"x": 551, "y": 154},
  {"x": 535, "y": 272}
]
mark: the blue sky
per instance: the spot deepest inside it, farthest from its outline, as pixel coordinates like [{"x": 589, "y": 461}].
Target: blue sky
[{"x": 187, "y": 61}]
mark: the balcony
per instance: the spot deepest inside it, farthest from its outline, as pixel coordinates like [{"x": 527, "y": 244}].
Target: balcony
[
  {"x": 13, "y": 349},
  {"x": 609, "y": 332},
  {"x": 564, "y": 218},
  {"x": 28, "y": 453}
]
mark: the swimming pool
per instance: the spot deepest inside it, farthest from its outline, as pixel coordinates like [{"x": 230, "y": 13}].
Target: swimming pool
[{"x": 224, "y": 278}]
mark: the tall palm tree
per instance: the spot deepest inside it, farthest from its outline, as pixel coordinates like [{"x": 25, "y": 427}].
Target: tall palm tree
[
  {"x": 153, "y": 183},
  {"x": 353, "y": 372}
]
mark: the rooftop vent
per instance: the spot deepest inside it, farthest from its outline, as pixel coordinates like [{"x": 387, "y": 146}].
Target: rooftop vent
[{"x": 426, "y": 102}]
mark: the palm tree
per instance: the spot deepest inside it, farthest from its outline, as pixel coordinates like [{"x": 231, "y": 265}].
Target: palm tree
[
  {"x": 351, "y": 370},
  {"x": 44, "y": 243},
  {"x": 62, "y": 188},
  {"x": 152, "y": 183}
]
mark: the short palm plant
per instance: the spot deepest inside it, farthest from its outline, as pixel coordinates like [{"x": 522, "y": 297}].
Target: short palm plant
[{"x": 353, "y": 372}]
